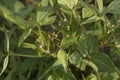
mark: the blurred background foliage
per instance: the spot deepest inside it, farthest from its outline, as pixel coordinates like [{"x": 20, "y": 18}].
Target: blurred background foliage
[{"x": 59, "y": 39}]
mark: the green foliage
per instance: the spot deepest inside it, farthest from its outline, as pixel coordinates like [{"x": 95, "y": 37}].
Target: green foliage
[
  {"x": 68, "y": 4},
  {"x": 87, "y": 44},
  {"x": 103, "y": 62},
  {"x": 24, "y": 35},
  {"x": 5, "y": 64},
  {"x": 114, "y": 7},
  {"x": 67, "y": 41},
  {"x": 59, "y": 40},
  {"x": 43, "y": 16},
  {"x": 62, "y": 57}
]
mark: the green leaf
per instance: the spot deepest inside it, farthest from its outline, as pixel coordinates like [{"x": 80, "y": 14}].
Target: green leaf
[
  {"x": 87, "y": 44},
  {"x": 47, "y": 43},
  {"x": 100, "y": 5},
  {"x": 53, "y": 2},
  {"x": 91, "y": 19},
  {"x": 24, "y": 35},
  {"x": 114, "y": 7},
  {"x": 25, "y": 11},
  {"x": 54, "y": 77},
  {"x": 76, "y": 59},
  {"x": 25, "y": 65},
  {"x": 103, "y": 62},
  {"x": 44, "y": 3},
  {"x": 117, "y": 43},
  {"x": 10, "y": 74},
  {"x": 7, "y": 44},
  {"x": 17, "y": 6},
  {"x": 67, "y": 11},
  {"x": 60, "y": 74},
  {"x": 58, "y": 28},
  {"x": 67, "y": 41},
  {"x": 4, "y": 64},
  {"x": 63, "y": 58},
  {"x": 39, "y": 51},
  {"x": 91, "y": 64},
  {"x": 110, "y": 76},
  {"x": 68, "y": 3},
  {"x": 92, "y": 77},
  {"x": 44, "y": 16},
  {"x": 10, "y": 16},
  {"x": 29, "y": 45},
  {"x": 87, "y": 12}
]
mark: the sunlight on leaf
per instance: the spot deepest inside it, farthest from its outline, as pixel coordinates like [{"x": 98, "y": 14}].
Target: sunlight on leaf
[
  {"x": 100, "y": 5},
  {"x": 63, "y": 58},
  {"x": 10, "y": 16},
  {"x": 7, "y": 44},
  {"x": 91, "y": 19},
  {"x": 44, "y": 16},
  {"x": 114, "y": 7},
  {"x": 24, "y": 35},
  {"x": 29, "y": 45},
  {"x": 91, "y": 64},
  {"x": 4, "y": 64},
  {"x": 66, "y": 42},
  {"x": 87, "y": 12},
  {"x": 69, "y": 3}
]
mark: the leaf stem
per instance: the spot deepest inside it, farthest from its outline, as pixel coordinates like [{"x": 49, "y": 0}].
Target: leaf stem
[
  {"x": 97, "y": 75},
  {"x": 23, "y": 55}
]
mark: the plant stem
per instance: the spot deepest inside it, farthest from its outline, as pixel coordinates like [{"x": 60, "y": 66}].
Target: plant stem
[
  {"x": 97, "y": 74},
  {"x": 23, "y": 55}
]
